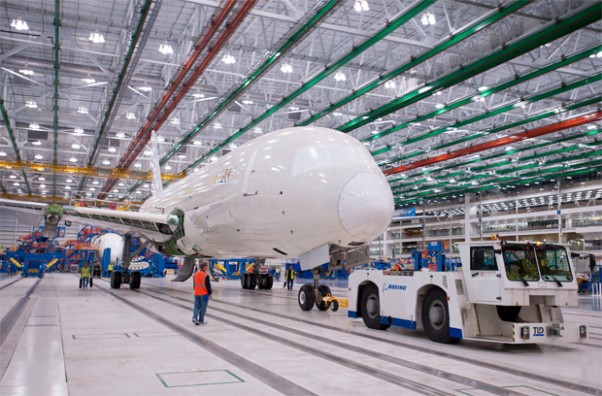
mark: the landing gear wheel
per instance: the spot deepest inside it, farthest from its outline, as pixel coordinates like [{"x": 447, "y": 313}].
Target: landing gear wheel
[
  {"x": 135, "y": 279},
  {"x": 269, "y": 282},
  {"x": 508, "y": 313},
  {"x": 370, "y": 304},
  {"x": 435, "y": 317},
  {"x": 323, "y": 291},
  {"x": 115, "y": 280},
  {"x": 306, "y": 297},
  {"x": 334, "y": 305}
]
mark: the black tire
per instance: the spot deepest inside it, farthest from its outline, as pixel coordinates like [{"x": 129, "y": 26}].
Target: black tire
[
  {"x": 435, "y": 317},
  {"x": 370, "y": 305},
  {"x": 115, "y": 280},
  {"x": 243, "y": 281},
  {"x": 334, "y": 305},
  {"x": 508, "y": 313},
  {"x": 306, "y": 297},
  {"x": 252, "y": 281},
  {"x": 135, "y": 279},
  {"x": 269, "y": 282},
  {"x": 323, "y": 291}
]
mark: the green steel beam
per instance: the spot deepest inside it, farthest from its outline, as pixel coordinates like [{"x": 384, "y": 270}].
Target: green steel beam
[
  {"x": 549, "y": 33},
  {"x": 406, "y": 16},
  {"x": 256, "y": 73},
  {"x": 13, "y": 142},
  {"x": 55, "y": 97},
  {"x": 554, "y": 142},
  {"x": 446, "y": 43},
  {"x": 491, "y": 113},
  {"x": 120, "y": 77},
  {"x": 461, "y": 102}
]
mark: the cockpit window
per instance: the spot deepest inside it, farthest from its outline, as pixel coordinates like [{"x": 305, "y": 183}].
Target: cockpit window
[
  {"x": 520, "y": 262},
  {"x": 554, "y": 263}
]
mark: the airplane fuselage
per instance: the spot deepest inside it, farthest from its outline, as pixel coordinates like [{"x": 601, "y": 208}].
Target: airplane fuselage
[{"x": 280, "y": 195}]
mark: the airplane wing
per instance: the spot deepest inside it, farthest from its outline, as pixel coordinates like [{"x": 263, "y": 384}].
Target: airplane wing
[{"x": 152, "y": 225}]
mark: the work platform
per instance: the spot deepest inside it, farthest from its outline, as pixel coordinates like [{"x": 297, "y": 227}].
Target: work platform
[{"x": 57, "y": 339}]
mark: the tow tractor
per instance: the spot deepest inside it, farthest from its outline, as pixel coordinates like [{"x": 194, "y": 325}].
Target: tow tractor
[{"x": 505, "y": 292}]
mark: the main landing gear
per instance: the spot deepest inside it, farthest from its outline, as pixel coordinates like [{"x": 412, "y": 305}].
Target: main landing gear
[
  {"x": 317, "y": 294},
  {"x": 258, "y": 277}
]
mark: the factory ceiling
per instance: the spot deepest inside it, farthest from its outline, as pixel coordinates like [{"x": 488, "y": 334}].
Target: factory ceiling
[{"x": 450, "y": 96}]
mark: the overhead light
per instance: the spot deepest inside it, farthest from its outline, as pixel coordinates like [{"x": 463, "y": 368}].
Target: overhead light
[
  {"x": 197, "y": 143},
  {"x": 16, "y": 184},
  {"x": 340, "y": 76},
  {"x": 34, "y": 125},
  {"x": 428, "y": 19},
  {"x": 181, "y": 156},
  {"x": 115, "y": 190},
  {"x": 72, "y": 159},
  {"x": 92, "y": 189},
  {"x": 36, "y": 143},
  {"x": 31, "y": 104},
  {"x": 67, "y": 188},
  {"x": 213, "y": 158},
  {"x": 160, "y": 139},
  {"x": 88, "y": 194},
  {"x": 106, "y": 162},
  {"x": 165, "y": 49},
  {"x": 175, "y": 121},
  {"x": 247, "y": 102},
  {"x": 521, "y": 104},
  {"x": 167, "y": 167},
  {"x": 82, "y": 110},
  {"x": 293, "y": 108},
  {"x": 120, "y": 135},
  {"x": 89, "y": 80},
  {"x": 439, "y": 105},
  {"x": 148, "y": 152},
  {"x": 145, "y": 88},
  {"x": 482, "y": 88},
  {"x": 121, "y": 184},
  {"x": 19, "y": 24},
  {"x": 78, "y": 131},
  {"x": 95, "y": 182},
  {"x": 478, "y": 98},
  {"x": 257, "y": 131},
  {"x": 145, "y": 185},
  {"x": 130, "y": 116},
  {"x": 39, "y": 156},
  {"x": 232, "y": 146},
  {"x": 42, "y": 186},
  {"x": 390, "y": 84},
  {"x": 228, "y": 59},
  {"x": 111, "y": 149},
  {"x": 12, "y": 177},
  {"x": 198, "y": 95},
  {"x": 217, "y": 125},
  {"x": 26, "y": 72},
  {"x": 137, "y": 165},
  {"x": 68, "y": 180},
  {"x": 96, "y": 38},
  {"x": 591, "y": 127},
  {"x": 2, "y": 153},
  {"x": 361, "y": 5},
  {"x": 41, "y": 178},
  {"x": 286, "y": 68},
  {"x": 75, "y": 146},
  {"x": 337, "y": 114}
]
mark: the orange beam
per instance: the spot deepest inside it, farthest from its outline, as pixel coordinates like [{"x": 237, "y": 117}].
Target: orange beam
[{"x": 533, "y": 133}]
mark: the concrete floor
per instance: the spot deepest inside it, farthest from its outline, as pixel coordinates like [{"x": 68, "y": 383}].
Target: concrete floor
[{"x": 62, "y": 340}]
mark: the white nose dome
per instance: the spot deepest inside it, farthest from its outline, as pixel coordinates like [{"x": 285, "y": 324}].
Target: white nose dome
[{"x": 366, "y": 206}]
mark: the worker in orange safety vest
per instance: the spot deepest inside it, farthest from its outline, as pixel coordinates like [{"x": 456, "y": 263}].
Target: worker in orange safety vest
[{"x": 202, "y": 293}]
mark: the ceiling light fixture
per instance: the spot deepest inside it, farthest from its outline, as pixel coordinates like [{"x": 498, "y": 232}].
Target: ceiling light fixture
[
  {"x": 286, "y": 68},
  {"x": 75, "y": 146},
  {"x": 120, "y": 135},
  {"x": 26, "y": 72},
  {"x": 198, "y": 95},
  {"x": 106, "y": 162},
  {"x": 19, "y": 24},
  {"x": 2, "y": 153},
  {"x": 428, "y": 19},
  {"x": 175, "y": 121},
  {"x": 31, "y": 104},
  {"x": 361, "y": 5},
  {"x": 112, "y": 149},
  {"x": 39, "y": 156},
  {"x": 96, "y": 38},
  {"x": 167, "y": 167},
  {"x": 35, "y": 126},
  {"x": 145, "y": 88},
  {"x": 217, "y": 125},
  {"x": 72, "y": 159},
  {"x": 229, "y": 59},
  {"x": 78, "y": 131},
  {"x": 36, "y": 143},
  {"x": 340, "y": 76},
  {"x": 89, "y": 80},
  {"x": 82, "y": 110},
  {"x": 130, "y": 116},
  {"x": 165, "y": 49},
  {"x": 390, "y": 84},
  {"x": 247, "y": 102}
]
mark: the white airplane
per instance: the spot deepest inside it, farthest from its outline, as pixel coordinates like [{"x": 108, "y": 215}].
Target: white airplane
[{"x": 303, "y": 192}]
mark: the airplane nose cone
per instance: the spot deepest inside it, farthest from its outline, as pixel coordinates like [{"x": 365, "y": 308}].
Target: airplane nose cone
[{"x": 366, "y": 206}]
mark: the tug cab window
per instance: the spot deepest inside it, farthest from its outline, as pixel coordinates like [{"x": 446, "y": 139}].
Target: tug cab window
[
  {"x": 520, "y": 262},
  {"x": 482, "y": 258},
  {"x": 554, "y": 263}
]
